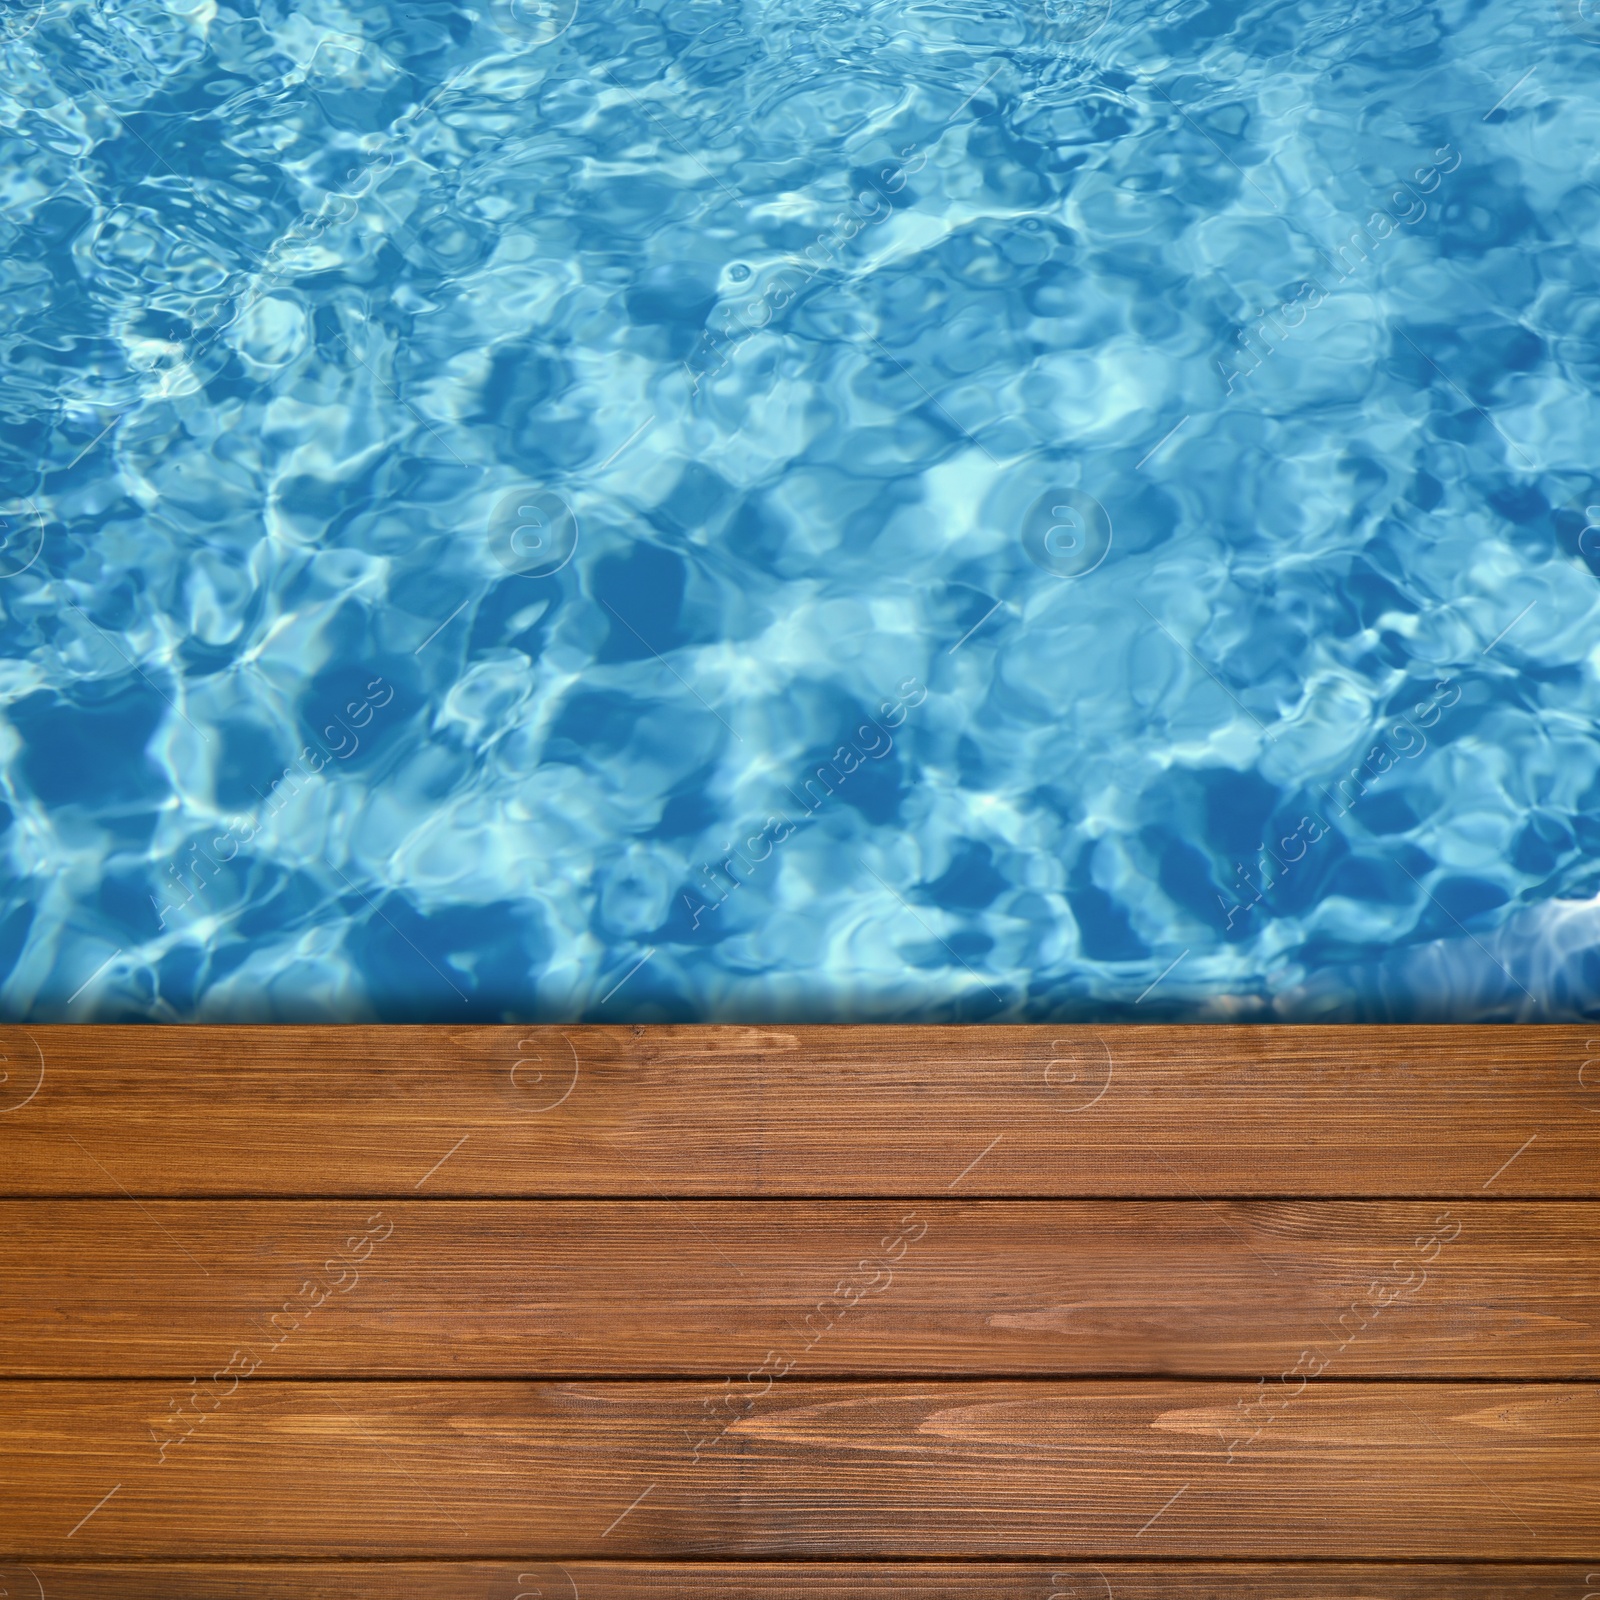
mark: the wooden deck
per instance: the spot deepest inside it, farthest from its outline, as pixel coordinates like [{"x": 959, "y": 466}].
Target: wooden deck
[{"x": 1068, "y": 1313}]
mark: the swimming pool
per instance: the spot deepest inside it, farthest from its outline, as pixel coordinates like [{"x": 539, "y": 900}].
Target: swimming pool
[{"x": 860, "y": 509}]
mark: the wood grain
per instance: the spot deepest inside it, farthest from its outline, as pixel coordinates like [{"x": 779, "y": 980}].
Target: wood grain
[
  {"x": 531, "y": 1580},
  {"x": 797, "y": 1301},
  {"x": 1429, "y": 1112},
  {"x": 870, "y": 1470},
  {"x": 634, "y": 1288}
]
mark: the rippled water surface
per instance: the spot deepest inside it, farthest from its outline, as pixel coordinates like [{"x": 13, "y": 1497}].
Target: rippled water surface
[{"x": 898, "y": 509}]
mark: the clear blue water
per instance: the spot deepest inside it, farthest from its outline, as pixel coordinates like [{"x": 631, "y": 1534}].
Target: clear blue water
[{"x": 858, "y": 509}]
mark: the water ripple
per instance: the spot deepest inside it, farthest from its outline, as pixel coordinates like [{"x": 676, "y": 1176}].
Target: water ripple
[{"x": 861, "y": 509}]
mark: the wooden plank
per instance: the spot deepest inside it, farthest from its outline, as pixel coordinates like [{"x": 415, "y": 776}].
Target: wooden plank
[
  {"x": 725, "y": 1288},
  {"x": 579, "y": 1580},
  {"x": 1159, "y": 1112},
  {"x": 871, "y": 1470}
]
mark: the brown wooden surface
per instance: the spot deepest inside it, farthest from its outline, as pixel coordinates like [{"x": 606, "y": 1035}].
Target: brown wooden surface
[
  {"x": 582, "y": 1580},
  {"x": 1046, "y": 1469},
  {"x": 619, "y": 1288},
  {"x": 542, "y": 1312},
  {"x": 1432, "y": 1112}
]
